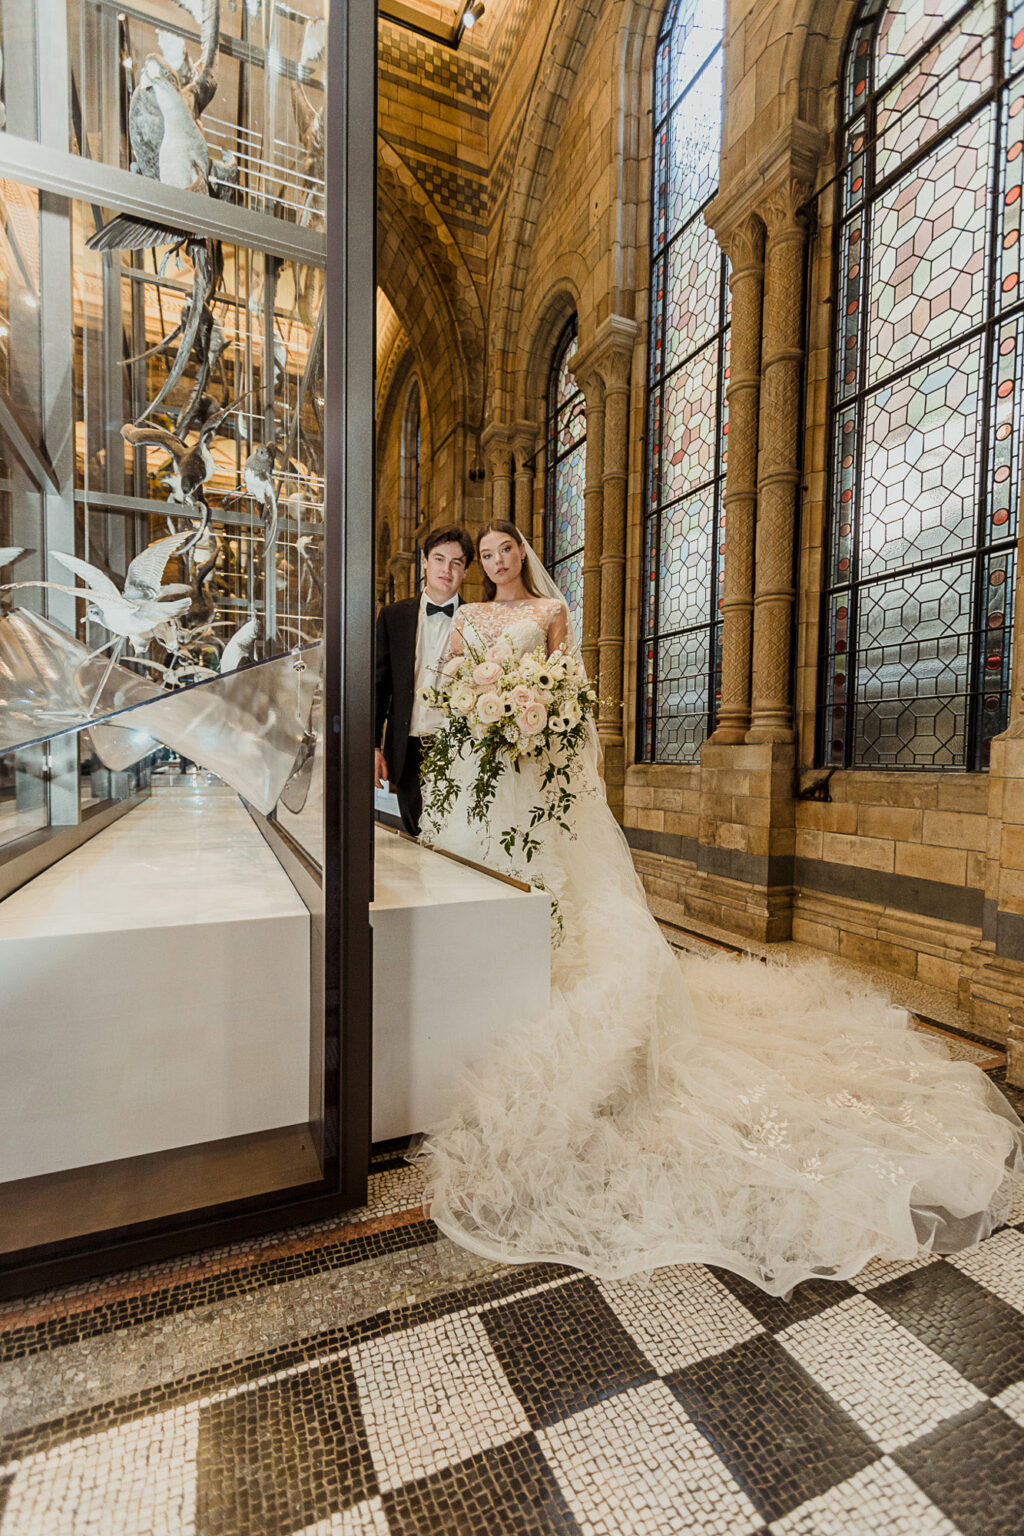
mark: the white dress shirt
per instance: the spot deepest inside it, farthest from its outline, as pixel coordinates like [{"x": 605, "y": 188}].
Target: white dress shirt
[{"x": 431, "y": 648}]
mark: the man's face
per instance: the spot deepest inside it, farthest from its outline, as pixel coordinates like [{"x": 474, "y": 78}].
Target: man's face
[{"x": 443, "y": 571}]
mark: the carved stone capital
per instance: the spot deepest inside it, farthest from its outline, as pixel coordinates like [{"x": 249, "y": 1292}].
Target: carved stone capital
[
  {"x": 608, "y": 354},
  {"x": 794, "y": 153},
  {"x": 783, "y": 206},
  {"x": 496, "y": 442},
  {"x": 525, "y": 436},
  {"x": 743, "y": 243}
]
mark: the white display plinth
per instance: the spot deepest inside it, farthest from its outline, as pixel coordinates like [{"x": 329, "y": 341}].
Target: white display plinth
[
  {"x": 154, "y": 991},
  {"x": 460, "y": 957},
  {"x": 154, "y": 986}
]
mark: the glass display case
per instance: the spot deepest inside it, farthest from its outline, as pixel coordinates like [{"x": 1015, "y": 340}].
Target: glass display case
[{"x": 186, "y": 396}]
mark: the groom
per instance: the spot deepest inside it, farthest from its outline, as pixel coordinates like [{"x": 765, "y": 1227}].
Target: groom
[{"x": 411, "y": 643}]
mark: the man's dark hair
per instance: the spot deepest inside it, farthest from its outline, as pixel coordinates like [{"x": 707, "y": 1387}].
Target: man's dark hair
[{"x": 453, "y": 534}]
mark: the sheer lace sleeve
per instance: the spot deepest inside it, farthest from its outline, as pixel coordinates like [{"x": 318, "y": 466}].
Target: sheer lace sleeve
[
  {"x": 456, "y": 644},
  {"x": 558, "y": 629}
]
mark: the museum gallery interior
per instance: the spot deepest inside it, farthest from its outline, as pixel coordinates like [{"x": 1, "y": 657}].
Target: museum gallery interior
[{"x": 718, "y": 304}]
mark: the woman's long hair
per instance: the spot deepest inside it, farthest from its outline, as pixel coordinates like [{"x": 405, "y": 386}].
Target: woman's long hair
[{"x": 499, "y": 526}]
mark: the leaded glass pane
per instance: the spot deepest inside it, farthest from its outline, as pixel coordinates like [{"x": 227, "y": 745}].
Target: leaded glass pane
[
  {"x": 686, "y": 563},
  {"x": 929, "y": 246},
  {"x": 912, "y": 669},
  {"x": 686, "y": 439},
  {"x": 696, "y": 32},
  {"x": 921, "y": 447},
  {"x": 569, "y": 577},
  {"x": 693, "y": 302},
  {"x": 904, "y": 28},
  {"x": 945, "y": 82},
  {"x": 926, "y": 433},
  {"x": 691, "y": 425},
  {"x": 565, "y": 476},
  {"x": 681, "y": 722},
  {"x": 567, "y": 531},
  {"x": 695, "y": 135}
]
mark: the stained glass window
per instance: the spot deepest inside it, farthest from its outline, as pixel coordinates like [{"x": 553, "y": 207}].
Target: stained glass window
[
  {"x": 680, "y": 643},
  {"x": 565, "y": 473},
  {"x": 925, "y": 430}
]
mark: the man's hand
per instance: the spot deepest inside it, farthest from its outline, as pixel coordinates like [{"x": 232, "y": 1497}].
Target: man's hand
[{"x": 380, "y": 769}]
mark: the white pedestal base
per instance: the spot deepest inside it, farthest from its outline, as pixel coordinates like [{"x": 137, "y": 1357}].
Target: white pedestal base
[
  {"x": 155, "y": 991},
  {"x": 459, "y": 958}
]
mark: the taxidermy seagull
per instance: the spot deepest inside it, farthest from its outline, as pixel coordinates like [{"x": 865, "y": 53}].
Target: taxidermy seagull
[
  {"x": 145, "y": 609},
  {"x": 9, "y": 554}
]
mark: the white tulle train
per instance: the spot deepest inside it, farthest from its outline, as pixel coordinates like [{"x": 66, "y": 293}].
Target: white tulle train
[{"x": 779, "y": 1121}]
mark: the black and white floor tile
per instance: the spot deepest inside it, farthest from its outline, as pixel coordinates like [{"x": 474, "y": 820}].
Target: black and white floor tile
[{"x": 541, "y": 1401}]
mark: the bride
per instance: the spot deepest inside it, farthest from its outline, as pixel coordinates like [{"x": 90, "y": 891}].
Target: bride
[{"x": 779, "y": 1121}]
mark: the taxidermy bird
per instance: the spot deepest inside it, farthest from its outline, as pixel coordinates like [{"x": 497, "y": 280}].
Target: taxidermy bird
[
  {"x": 144, "y": 610},
  {"x": 242, "y": 646},
  {"x": 167, "y": 140},
  {"x": 197, "y": 621},
  {"x": 193, "y": 465},
  {"x": 9, "y": 554},
  {"x": 310, "y": 125}
]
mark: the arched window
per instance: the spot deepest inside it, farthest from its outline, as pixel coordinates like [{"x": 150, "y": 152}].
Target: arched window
[
  {"x": 410, "y": 472},
  {"x": 928, "y": 348},
  {"x": 680, "y": 662},
  {"x": 564, "y": 476}
]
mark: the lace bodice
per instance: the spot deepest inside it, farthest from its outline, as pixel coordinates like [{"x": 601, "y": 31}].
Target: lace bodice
[{"x": 525, "y": 624}]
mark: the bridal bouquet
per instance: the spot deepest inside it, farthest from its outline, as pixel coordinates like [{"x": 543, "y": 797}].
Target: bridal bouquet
[{"x": 505, "y": 708}]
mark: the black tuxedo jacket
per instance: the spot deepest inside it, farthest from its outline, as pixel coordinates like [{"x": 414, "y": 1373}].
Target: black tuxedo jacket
[{"x": 396, "y": 678}]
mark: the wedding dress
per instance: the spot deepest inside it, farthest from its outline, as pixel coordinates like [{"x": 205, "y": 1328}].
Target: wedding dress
[{"x": 779, "y": 1121}]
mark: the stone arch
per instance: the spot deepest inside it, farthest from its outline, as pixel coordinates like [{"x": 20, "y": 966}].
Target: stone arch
[
  {"x": 571, "y": 28},
  {"x": 539, "y": 331}
]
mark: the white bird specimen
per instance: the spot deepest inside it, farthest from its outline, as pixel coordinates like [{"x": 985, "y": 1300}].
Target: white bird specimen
[
  {"x": 142, "y": 611},
  {"x": 241, "y": 646},
  {"x": 10, "y": 553}
]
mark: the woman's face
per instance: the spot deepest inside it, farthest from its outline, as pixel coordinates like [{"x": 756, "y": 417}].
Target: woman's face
[{"x": 501, "y": 557}]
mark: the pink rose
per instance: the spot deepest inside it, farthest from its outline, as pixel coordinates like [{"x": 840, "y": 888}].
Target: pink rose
[
  {"x": 452, "y": 666},
  {"x": 490, "y": 708},
  {"x": 532, "y": 719},
  {"x": 500, "y": 651},
  {"x": 486, "y": 674},
  {"x": 522, "y": 697}
]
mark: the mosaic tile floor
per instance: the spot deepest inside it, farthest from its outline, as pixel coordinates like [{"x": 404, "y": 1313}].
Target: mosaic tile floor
[{"x": 366, "y": 1378}]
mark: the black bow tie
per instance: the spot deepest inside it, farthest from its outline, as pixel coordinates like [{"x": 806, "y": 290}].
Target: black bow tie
[{"x": 448, "y": 608}]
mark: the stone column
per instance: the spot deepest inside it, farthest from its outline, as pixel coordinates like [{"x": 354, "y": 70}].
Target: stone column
[
  {"x": 592, "y": 386},
  {"x": 524, "y": 453},
  {"x": 744, "y": 246},
  {"x": 778, "y": 464},
  {"x": 498, "y": 454},
  {"x": 616, "y": 365}
]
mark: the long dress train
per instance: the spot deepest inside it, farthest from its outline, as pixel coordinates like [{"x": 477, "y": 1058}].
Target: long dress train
[{"x": 776, "y": 1120}]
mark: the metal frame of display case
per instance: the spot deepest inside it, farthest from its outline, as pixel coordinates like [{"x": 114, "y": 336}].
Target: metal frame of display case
[{"x": 340, "y": 931}]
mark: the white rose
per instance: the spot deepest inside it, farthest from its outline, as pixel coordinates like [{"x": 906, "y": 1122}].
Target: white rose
[
  {"x": 557, "y": 668},
  {"x": 489, "y": 708},
  {"x": 533, "y": 719},
  {"x": 462, "y": 699}
]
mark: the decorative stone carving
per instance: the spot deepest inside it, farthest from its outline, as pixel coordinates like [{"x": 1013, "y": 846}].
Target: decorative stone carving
[
  {"x": 592, "y": 385},
  {"x": 497, "y": 447},
  {"x": 778, "y": 464},
  {"x": 744, "y": 246},
  {"x": 524, "y": 454}
]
